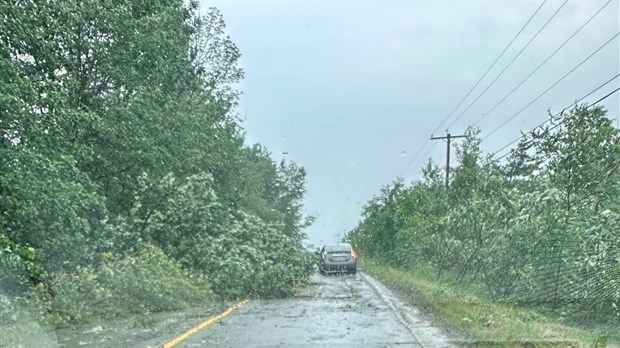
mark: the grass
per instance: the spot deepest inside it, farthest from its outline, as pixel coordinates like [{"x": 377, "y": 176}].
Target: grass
[{"x": 478, "y": 319}]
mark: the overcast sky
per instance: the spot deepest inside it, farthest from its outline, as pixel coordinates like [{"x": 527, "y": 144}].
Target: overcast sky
[{"x": 353, "y": 89}]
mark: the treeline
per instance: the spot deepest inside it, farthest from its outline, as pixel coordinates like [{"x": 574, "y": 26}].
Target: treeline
[
  {"x": 125, "y": 183},
  {"x": 541, "y": 228}
]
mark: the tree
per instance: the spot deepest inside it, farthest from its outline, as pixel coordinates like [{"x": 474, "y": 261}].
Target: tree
[
  {"x": 119, "y": 145},
  {"x": 541, "y": 229}
]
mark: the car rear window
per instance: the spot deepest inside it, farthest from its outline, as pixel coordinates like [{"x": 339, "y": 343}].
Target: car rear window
[{"x": 343, "y": 248}]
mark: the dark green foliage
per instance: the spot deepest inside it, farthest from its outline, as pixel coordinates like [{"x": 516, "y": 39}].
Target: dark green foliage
[
  {"x": 543, "y": 229},
  {"x": 123, "y": 167},
  {"x": 147, "y": 282}
]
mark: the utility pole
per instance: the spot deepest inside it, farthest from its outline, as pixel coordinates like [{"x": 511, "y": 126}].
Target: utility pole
[{"x": 448, "y": 137}]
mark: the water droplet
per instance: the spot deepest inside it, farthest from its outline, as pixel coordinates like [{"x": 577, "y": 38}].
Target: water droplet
[{"x": 403, "y": 154}]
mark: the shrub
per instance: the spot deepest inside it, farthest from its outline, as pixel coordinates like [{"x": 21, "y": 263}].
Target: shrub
[
  {"x": 146, "y": 282},
  {"x": 152, "y": 281}
]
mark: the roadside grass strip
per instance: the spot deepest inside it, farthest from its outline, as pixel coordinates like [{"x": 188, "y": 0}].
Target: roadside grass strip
[
  {"x": 488, "y": 323},
  {"x": 173, "y": 342}
]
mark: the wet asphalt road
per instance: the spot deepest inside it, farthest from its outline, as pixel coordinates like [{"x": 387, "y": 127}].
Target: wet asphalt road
[{"x": 336, "y": 311}]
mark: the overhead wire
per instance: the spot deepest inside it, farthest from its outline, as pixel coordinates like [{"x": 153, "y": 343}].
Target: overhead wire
[
  {"x": 413, "y": 160},
  {"x": 490, "y": 67},
  {"x": 486, "y": 114},
  {"x": 557, "y": 114},
  {"x": 419, "y": 152},
  {"x": 507, "y": 66},
  {"x": 549, "y": 88},
  {"x": 554, "y": 116},
  {"x": 421, "y": 149}
]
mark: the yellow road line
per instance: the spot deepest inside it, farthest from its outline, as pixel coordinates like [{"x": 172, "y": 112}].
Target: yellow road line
[{"x": 173, "y": 342}]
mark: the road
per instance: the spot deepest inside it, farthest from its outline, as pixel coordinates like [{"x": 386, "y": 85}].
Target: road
[{"x": 336, "y": 311}]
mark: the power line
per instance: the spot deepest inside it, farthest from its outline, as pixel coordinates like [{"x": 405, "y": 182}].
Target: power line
[
  {"x": 550, "y": 87},
  {"x": 490, "y": 67},
  {"x": 551, "y": 118},
  {"x": 419, "y": 152},
  {"x": 421, "y": 149},
  {"x": 556, "y": 115},
  {"x": 413, "y": 160},
  {"x": 555, "y": 126},
  {"x": 508, "y": 65},
  {"x": 543, "y": 63}
]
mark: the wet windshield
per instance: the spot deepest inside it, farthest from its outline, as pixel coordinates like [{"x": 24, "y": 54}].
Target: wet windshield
[{"x": 309, "y": 173}]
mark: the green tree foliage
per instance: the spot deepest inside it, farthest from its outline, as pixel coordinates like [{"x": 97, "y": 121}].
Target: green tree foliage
[
  {"x": 121, "y": 153},
  {"x": 540, "y": 229}
]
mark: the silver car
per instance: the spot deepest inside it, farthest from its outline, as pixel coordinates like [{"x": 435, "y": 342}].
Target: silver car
[{"x": 338, "y": 258}]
